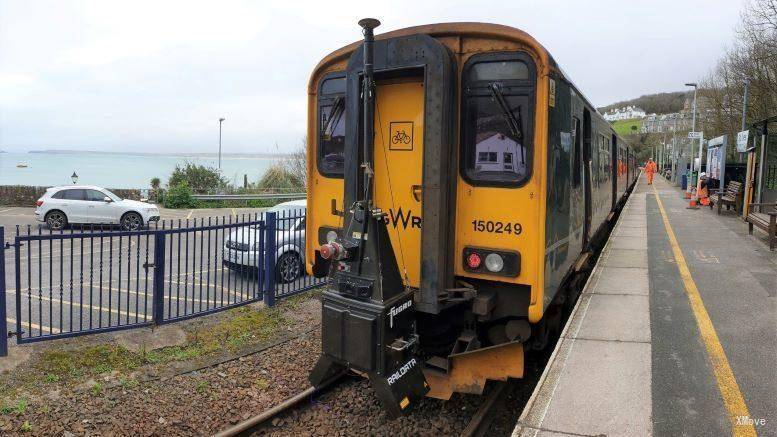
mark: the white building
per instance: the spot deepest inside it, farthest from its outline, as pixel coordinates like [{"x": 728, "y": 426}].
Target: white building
[
  {"x": 625, "y": 113},
  {"x": 500, "y": 153}
]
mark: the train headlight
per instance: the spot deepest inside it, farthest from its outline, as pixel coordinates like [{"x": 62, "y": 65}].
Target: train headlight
[{"x": 494, "y": 262}]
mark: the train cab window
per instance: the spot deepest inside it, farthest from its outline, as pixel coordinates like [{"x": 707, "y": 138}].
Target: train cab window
[
  {"x": 331, "y": 127},
  {"x": 498, "y": 103}
]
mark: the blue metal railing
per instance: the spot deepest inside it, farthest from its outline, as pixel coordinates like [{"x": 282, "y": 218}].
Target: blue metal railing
[{"x": 95, "y": 279}]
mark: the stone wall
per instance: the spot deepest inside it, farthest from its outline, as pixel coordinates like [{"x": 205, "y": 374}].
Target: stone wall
[{"x": 22, "y": 195}]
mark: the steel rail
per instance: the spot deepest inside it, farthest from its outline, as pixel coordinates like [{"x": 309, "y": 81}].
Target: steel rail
[{"x": 268, "y": 414}]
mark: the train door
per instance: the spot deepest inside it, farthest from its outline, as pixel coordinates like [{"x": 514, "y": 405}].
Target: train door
[
  {"x": 588, "y": 177},
  {"x": 615, "y": 167},
  {"x": 398, "y": 160}
]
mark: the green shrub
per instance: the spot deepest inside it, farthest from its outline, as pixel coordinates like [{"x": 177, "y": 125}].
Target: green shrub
[
  {"x": 179, "y": 196},
  {"x": 200, "y": 179}
]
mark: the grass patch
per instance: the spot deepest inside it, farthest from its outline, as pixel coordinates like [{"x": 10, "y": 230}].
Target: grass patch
[
  {"x": 94, "y": 360},
  {"x": 627, "y": 127},
  {"x": 18, "y": 408}
]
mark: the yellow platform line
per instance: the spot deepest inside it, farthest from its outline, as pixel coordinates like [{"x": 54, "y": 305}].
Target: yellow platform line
[
  {"x": 727, "y": 383},
  {"x": 34, "y": 326}
]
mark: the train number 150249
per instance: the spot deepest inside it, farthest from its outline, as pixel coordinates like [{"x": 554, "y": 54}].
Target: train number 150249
[{"x": 497, "y": 227}]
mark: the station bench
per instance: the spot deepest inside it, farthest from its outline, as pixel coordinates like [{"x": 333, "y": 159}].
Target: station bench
[
  {"x": 765, "y": 219},
  {"x": 732, "y": 195}
]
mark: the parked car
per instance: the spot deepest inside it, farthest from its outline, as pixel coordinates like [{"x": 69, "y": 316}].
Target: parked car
[
  {"x": 242, "y": 247},
  {"x": 88, "y": 204}
]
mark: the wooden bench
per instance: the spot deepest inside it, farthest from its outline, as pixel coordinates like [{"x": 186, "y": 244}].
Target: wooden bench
[
  {"x": 732, "y": 195},
  {"x": 765, "y": 219}
]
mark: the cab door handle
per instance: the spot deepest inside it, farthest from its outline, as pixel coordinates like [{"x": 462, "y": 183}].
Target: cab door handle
[{"x": 417, "y": 191}]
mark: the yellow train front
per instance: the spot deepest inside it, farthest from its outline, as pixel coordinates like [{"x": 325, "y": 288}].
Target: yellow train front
[{"x": 495, "y": 179}]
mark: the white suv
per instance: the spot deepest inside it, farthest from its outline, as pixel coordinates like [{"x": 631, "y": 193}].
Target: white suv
[{"x": 92, "y": 205}]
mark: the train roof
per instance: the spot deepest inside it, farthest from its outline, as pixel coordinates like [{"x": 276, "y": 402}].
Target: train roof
[{"x": 455, "y": 29}]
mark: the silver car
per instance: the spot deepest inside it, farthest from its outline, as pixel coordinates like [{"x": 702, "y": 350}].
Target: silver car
[{"x": 241, "y": 249}]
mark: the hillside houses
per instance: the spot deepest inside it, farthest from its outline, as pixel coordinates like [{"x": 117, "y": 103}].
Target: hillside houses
[{"x": 625, "y": 113}]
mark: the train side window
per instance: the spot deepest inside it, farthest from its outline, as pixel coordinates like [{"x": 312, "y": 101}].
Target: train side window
[
  {"x": 576, "y": 154},
  {"x": 331, "y": 127},
  {"x": 498, "y": 103}
]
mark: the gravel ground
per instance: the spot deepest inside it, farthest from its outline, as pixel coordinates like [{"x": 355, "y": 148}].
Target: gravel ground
[
  {"x": 176, "y": 400},
  {"x": 138, "y": 403}
]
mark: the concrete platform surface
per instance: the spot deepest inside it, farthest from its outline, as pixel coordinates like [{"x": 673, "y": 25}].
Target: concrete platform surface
[{"x": 675, "y": 332}]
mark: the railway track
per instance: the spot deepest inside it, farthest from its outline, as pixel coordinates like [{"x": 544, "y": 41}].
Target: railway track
[{"x": 477, "y": 426}]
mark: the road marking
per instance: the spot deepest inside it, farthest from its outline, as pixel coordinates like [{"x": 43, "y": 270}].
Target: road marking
[
  {"x": 727, "y": 383},
  {"x": 89, "y": 307},
  {"x": 34, "y": 326},
  {"x": 234, "y": 213},
  {"x": 4, "y": 210},
  {"x": 188, "y": 216}
]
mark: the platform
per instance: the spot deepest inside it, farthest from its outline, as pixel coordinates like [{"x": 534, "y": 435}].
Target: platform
[{"x": 674, "y": 334}]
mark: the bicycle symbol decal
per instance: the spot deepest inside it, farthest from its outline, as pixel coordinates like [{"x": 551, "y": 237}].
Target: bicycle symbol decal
[{"x": 401, "y": 135}]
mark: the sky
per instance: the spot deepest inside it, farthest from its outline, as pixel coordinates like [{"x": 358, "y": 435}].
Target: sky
[{"x": 155, "y": 76}]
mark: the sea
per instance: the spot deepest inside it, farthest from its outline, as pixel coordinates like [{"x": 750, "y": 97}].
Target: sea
[{"x": 118, "y": 170}]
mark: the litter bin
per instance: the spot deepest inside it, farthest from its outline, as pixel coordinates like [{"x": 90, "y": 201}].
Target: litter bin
[{"x": 684, "y": 182}]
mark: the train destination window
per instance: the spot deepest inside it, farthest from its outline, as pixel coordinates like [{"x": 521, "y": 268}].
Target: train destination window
[
  {"x": 331, "y": 127},
  {"x": 498, "y": 102}
]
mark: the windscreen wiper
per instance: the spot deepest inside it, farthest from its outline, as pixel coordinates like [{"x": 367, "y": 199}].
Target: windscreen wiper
[
  {"x": 512, "y": 122},
  {"x": 338, "y": 108}
]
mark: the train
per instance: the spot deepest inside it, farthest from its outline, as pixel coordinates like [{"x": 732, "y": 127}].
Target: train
[{"x": 459, "y": 185}]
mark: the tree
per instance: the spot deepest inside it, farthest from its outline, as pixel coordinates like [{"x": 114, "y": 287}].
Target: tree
[
  {"x": 753, "y": 57},
  {"x": 155, "y": 183},
  {"x": 297, "y": 165}
]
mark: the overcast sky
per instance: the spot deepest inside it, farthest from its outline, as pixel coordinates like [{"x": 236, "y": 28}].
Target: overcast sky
[{"x": 157, "y": 75}]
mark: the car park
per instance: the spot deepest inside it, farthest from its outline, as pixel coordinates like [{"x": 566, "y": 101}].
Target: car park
[
  {"x": 89, "y": 204},
  {"x": 243, "y": 246}
]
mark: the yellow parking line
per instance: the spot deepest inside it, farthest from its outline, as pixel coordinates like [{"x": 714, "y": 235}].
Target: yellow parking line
[
  {"x": 727, "y": 383},
  {"x": 34, "y": 326},
  {"x": 216, "y": 288},
  {"x": 89, "y": 307}
]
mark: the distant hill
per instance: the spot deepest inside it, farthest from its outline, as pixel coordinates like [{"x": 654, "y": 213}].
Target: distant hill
[{"x": 660, "y": 103}]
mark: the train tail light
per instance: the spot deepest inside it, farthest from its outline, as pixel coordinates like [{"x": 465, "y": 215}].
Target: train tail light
[
  {"x": 474, "y": 260},
  {"x": 492, "y": 261}
]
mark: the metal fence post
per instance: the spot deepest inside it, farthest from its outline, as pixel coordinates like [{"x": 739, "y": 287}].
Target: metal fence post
[
  {"x": 159, "y": 277},
  {"x": 269, "y": 259},
  {"x": 3, "y": 322}
]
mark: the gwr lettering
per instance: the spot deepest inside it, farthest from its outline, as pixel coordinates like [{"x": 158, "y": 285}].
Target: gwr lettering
[{"x": 399, "y": 217}]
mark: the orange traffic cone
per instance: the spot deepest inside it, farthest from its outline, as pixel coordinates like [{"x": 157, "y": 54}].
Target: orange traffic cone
[{"x": 692, "y": 204}]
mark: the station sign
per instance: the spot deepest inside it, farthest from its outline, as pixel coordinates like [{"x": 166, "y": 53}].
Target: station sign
[
  {"x": 695, "y": 135},
  {"x": 742, "y": 138}
]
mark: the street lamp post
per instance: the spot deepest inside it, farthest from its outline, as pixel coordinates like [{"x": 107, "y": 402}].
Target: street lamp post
[
  {"x": 74, "y": 178},
  {"x": 744, "y": 111},
  {"x": 221, "y": 120},
  {"x": 693, "y": 129}
]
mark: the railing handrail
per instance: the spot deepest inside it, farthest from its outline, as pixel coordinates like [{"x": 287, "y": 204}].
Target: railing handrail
[{"x": 262, "y": 196}]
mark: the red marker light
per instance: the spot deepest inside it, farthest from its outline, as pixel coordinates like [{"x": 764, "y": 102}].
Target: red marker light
[
  {"x": 473, "y": 260},
  {"x": 39, "y": 203}
]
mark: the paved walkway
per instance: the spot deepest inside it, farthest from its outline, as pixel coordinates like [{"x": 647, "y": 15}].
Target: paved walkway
[{"x": 674, "y": 334}]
